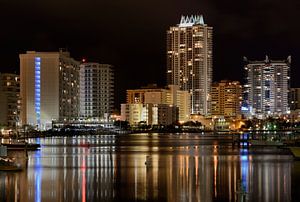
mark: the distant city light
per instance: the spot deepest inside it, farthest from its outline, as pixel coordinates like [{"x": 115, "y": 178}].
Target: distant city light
[{"x": 245, "y": 108}]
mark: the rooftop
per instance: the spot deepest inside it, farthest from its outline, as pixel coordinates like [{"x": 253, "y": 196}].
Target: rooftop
[{"x": 187, "y": 21}]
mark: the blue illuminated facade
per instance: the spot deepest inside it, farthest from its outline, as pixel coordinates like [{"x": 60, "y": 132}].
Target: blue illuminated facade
[
  {"x": 37, "y": 90},
  {"x": 50, "y": 97}
]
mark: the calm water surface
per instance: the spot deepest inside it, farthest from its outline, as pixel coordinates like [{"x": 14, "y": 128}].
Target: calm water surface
[{"x": 151, "y": 167}]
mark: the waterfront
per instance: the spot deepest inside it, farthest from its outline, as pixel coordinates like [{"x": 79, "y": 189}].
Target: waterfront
[{"x": 179, "y": 167}]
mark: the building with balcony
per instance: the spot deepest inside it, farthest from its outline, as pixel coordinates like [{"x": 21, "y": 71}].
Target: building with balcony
[
  {"x": 9, "y": 100},
  {"x": 267, "y": 87},
  {"x": 149, "y": 114},
  {"x": 226, "y": 99},
  {"x": 49, "y": 88},
  {"x": 190, "y": 60},
  {"x": 96, "y": 91},
  {"x": 170, "y": 96}
]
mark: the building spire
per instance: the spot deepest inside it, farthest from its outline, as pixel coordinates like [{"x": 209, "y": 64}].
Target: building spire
[
  {"x": 201, "y": 21},
  {"x": 267, "y": 60},
  {"x": 187, "y": 21},
  {"x": 289, "y": 59}
]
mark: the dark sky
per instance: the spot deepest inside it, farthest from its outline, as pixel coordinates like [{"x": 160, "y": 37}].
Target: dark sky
[{"x": 131, "y": 34}]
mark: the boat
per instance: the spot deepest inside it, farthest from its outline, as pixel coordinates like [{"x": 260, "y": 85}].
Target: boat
[
  {"x": 9, "y": 164},
  {"x": 19, "y": 145},
  {"x": 265, "y": 143},
  {"x": 22, "y": 146}
]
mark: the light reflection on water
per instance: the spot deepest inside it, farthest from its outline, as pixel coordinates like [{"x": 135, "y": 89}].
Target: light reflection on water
[
  {"x": 38, "y": 176},
  {"x": 114, "y": 169}
]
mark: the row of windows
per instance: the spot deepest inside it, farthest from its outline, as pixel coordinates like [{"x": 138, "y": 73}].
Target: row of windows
[{"x": 91, "y": 101}]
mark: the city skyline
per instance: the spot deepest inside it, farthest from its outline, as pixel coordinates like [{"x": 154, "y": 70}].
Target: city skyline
[
  {"x": 240, "y": 29},
  {"x": 195, "y": 100}
]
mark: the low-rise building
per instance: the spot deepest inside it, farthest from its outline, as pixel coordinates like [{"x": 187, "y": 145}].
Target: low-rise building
[
  {"x": 170, "y": 96},
  {"x": 226, "y": 99},
  {"x": 149, "y": 114}
]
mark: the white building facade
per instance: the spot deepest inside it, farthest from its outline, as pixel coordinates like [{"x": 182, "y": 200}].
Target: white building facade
[
  {"x": 96, "y": 91},
  {"x": 49, "y": 88},
  {"x": 267, "y": 87}
]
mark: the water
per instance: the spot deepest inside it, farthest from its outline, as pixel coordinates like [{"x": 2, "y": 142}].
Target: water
[{"x": 143, "y": 167}]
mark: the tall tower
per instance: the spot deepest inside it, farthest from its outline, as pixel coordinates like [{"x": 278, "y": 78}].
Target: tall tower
[
  {"x": 190, "y": 60},
  {"x": 49, "y": 88},
  {"x": 267, "y": 86},
  {"x": 96, "y": 91}
]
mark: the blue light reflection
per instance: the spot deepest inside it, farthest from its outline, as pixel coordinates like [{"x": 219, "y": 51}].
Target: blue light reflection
[
  {"x": 38, "y": 177},
  {"x": 244, "y": 157}
]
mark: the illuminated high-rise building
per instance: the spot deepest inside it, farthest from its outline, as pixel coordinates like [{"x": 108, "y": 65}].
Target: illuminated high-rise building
[
  {"x": 96, "y": 91},
  {"x": 267, "y": 87},
  {"x": 9, "y": 99},
  {"x": 190, "y": 60},
  {"x": 226, "y": 99},
  {"x": 49, "y": 88}
]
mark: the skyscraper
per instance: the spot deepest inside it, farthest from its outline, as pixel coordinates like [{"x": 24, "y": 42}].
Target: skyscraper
[
  {"x": 190, "y": 60},
  {"x": 267, "y": 87},
  {"x": 96, "y": 90},
  {"x": 49, "y": 88}
]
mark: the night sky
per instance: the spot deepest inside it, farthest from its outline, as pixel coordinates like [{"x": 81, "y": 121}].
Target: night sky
[{"x": 131, "y": 34}]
